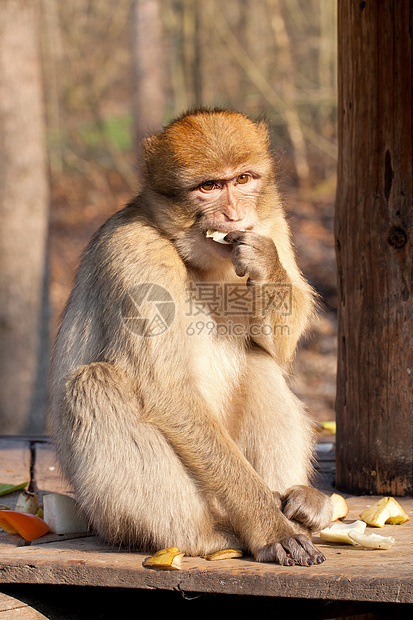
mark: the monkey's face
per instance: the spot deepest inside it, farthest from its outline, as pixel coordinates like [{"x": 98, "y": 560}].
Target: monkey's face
[
  {"x": 212, "y": 171},
  {"x": 226, "y": 204}
]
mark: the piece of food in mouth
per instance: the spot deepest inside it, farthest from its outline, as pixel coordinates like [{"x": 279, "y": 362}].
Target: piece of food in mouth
[{"x": 217, "y": 236}]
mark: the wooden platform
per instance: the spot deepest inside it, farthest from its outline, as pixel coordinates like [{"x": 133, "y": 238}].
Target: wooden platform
[{"x": 349, "y": 573}]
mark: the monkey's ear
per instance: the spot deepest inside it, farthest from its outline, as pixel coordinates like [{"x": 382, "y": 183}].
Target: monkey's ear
[
  {"x": 148, "y": 143},
  {"x": 148, "y": 149}
]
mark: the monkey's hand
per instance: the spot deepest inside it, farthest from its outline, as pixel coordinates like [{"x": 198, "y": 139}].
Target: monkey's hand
[
  {"x": 257, "y": 256},
  {"x": 307, "y": 506}
]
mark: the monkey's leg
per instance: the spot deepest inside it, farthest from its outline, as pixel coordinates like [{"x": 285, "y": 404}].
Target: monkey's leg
[
  {"x": 125, "y": 474},
  {"x": 275, "y": 435}
]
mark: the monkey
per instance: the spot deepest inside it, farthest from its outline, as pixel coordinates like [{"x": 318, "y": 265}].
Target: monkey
[{"x": 172, "y": 415}]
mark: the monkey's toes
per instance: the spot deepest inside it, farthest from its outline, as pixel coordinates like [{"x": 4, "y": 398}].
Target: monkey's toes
[
  {"x": 298, "y": 550},
  {"x": 311, "y": 549},
  {"x": 274, "y": 553}
]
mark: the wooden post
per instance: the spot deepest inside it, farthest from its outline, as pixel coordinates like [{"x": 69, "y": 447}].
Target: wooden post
[{"x": 374, "y": 244}]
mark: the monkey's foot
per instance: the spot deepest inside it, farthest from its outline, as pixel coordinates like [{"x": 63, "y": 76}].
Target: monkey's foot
[{"x": 298, "y": 550}]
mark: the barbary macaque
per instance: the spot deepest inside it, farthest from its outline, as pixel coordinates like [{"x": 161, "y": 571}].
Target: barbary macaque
[{"x": 173, "y": 420}]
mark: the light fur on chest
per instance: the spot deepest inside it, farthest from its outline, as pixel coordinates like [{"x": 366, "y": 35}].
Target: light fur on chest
[{"x": 218, "y": 366}]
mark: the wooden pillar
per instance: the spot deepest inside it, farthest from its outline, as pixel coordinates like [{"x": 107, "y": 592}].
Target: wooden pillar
[{"x": 374, "y": 245}]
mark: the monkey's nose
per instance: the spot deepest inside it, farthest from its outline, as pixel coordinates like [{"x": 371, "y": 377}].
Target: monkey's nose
[{"x": 233, "y": 214}]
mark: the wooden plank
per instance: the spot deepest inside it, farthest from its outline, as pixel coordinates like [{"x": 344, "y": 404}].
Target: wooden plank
[
  {"x": 350, "y": 573},
  {"x": 15, "y": 467},
  {"x": 8, "y": 602},
  {"x": 14, "y": 609},
  {"x": 15, "y": 461}
]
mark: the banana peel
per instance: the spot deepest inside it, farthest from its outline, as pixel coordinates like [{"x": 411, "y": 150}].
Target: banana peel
[
  {"x": 386, "y": 510},
  {"x": 329, "y": 426},
  {"x": 165, "y": 559},
  {"x": 224, "y": 554}
]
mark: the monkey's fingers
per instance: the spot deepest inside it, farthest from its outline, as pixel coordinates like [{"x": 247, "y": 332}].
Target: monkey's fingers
[
  {"x": 245, "y": 237},
  {"x": 240, "y": 263},
  {"x": 307, "y": 506},
  {"x": 236, "y": 236}
]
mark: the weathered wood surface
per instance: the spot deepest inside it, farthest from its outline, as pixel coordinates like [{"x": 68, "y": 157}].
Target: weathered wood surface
[
  {"x": 374, "y": 247},
  {"x": 17, "y": 609},
  {"x": 349, "y": 574},
  {"x": 15, "y": 460}
]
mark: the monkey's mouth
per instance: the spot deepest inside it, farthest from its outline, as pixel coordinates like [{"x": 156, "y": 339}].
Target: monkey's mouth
[{"x": 219, "y": 236}]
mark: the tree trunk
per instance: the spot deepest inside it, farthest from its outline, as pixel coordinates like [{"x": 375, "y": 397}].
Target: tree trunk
[
  {"x": 23, "y": 223},
  {"x": 148, "y": 63},
  {"x": 285, "y": 66},
  {"x": 374, "y": 242}
]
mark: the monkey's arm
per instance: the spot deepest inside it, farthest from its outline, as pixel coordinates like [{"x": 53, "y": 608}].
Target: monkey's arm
[{"x": 283, "y": 299}]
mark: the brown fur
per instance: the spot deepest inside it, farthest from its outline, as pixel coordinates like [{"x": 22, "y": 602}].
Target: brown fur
[{"x": 181, "y": 439}]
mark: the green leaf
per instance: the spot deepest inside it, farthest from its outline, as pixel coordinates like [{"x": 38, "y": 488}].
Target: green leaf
[{"x": 9, "y": 488}]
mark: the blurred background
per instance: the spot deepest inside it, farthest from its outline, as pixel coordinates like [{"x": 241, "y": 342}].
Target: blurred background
[{"x": 89, "y": 80}]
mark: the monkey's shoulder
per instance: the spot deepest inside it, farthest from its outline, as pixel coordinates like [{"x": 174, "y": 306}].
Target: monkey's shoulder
[{"x": 127, "y": 243}]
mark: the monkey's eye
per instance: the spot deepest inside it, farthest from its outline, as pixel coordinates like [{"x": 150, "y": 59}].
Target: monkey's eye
[
  {"x": 208, "y": 186},
  {"x": 243, "y": 178}
]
